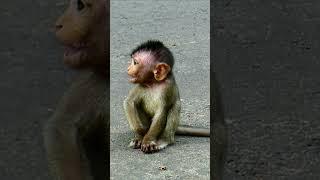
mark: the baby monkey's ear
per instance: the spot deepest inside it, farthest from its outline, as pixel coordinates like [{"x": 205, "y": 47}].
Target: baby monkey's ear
[{"x": 161, "y": 71}]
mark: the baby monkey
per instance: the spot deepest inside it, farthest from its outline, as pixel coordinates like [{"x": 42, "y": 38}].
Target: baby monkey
[{"x": 153, "y": 106}]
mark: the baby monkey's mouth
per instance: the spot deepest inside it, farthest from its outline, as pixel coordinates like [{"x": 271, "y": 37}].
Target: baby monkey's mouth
[{"x": 133, "y": 79}]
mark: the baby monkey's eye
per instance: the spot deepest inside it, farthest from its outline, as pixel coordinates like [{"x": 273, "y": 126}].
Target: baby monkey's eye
[{"x": 134, "y": 62}]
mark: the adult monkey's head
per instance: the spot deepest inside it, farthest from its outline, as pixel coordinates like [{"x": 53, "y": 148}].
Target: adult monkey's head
[{"x": 82, "y": 29}]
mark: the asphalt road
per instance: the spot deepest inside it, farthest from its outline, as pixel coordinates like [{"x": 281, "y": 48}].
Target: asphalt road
[{"x": 184, "y": 27}]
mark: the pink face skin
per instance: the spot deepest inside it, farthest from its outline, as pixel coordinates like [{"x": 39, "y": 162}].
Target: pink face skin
[
  {"x": 144, "y": 57},
  {"x": 140, "y": 69}
]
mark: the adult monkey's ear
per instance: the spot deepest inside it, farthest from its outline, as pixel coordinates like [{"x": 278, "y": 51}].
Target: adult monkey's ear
[{"x": 161, "y": 71}]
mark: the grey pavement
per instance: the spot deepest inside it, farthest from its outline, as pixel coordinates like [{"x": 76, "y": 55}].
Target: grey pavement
[
  {"x": 266, "y": 55},
  {"x": 32, "y": 80},
  {"x": 184, "y": 27}
]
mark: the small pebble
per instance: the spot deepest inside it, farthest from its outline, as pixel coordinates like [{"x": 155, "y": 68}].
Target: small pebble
[{"x": 162, "y": 168}]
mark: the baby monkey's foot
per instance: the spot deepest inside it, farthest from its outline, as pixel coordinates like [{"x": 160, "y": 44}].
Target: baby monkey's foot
[
  {"x": 149, "y": 147},
  {"x": 135, "y": 143}
]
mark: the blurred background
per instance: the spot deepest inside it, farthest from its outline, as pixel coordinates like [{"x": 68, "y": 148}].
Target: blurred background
[
  {"x": 266, "y": 54},
  {"x": 32, "y": 80}
]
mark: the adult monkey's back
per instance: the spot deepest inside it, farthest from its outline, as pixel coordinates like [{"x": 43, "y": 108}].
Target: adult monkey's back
[{"x": 77, "y": 135}]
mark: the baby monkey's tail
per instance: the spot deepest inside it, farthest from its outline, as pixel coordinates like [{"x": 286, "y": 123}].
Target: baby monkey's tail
[{"x": 192, "y": 131}]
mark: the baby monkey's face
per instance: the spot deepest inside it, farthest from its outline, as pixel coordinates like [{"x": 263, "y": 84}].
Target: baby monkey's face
[{"x": 140, "y": 68}]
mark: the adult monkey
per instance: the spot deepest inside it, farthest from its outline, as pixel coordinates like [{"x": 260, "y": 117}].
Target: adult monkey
[
  {"x": 76, "y": 137},
  {"x": 153, "y": 106}
]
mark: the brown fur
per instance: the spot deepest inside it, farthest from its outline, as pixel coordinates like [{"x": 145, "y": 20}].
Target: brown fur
[{"x": 76, "y": 137}]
